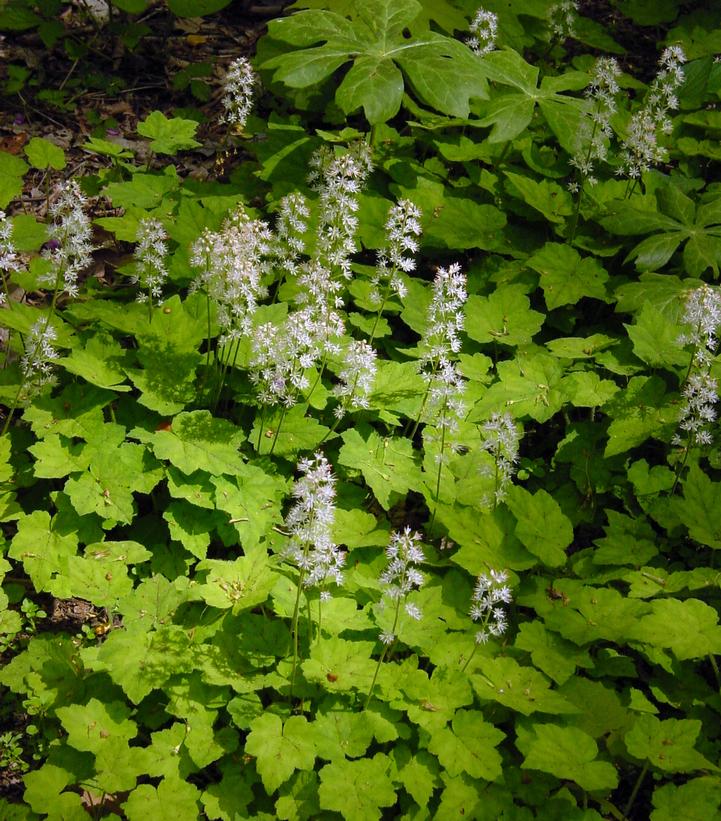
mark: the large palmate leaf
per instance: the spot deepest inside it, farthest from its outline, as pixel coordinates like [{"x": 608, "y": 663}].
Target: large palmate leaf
[{"x": 442, "y": 72}]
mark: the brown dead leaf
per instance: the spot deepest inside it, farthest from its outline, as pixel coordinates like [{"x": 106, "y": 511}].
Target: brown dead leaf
[{"x": 13, "y": 143}]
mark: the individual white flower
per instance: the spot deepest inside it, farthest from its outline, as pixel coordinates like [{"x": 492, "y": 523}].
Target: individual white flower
[
  {"x": 484, "y": 30},
  {"x": 239, "y": 87}
]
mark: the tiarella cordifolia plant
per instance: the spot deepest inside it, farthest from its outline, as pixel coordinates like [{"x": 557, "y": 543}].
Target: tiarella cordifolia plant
[
  {"x": 490, "y": 593},
  {"x": 311, "y": 547},
  {"x": 400, "y": 578},
  {"x": 310, "y": 522},
  {"x": 281, "y": 356},
  {"x": 291, "y": 226},
  {"x": 338, "y": 179},
  {"x": 442, "y": 406},
  {"x": 484, "y": 30},
  {"x": 238, "y": 87},
  {"x": 440, "y": 345}
]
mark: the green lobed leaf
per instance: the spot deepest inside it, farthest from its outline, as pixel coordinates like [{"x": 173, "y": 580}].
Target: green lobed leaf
[
  {"x": 172, "y": 800},
  {"x": 198, "y": 441},
  {"x": 668, "y": 744},
  {"x": 240, "y": 584},
  {"x": 700, "y": 506},
  {"x": 168, "y": 136},
  {"x": 567, "y": 277},
  {"x": 689, "y": 628},
  {"x": 503, "y": 317},
  {"x": 45, "y": 154},
  {"x": 280, "y": 748},
  {"x": 92, "y": 725},
  {"x": 469, "y": 746},
  {"x": 697, "y": 800},
  {"x": 357, "y": 789},
  {"x": 541, "y": 526},
  {"x": 386, "y": 463},
  {"x": 567, "y": 753}
]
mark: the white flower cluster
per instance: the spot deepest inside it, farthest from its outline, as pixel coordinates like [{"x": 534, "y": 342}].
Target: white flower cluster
[
  {"x": 501, "y": 438},
  {"x": 356, "y": 377},
  {"x": 596, "y": 125},
  {"x": 403, "y": 227},
  {"x": 491, "y": 591},
  {"x": 700, "y": 392},
  {"x": 441, "y": 343},
  {"x": 291, "y": 225},
  {"x": 232, "y": 263},
  {"x": 445, "y": 313},
  {"x": 321, "y": 293},
  {"x": 69, "y": 246},
  {"x": 641, "y": 148},
  {"x": 446, "y": 405},
  {"x": 562, "y": 18},
  {"x": 484, "y": 30},
  {"x": 36, "y": 364},
  {"x": 338, "y": 180},
  {"x": 150, "y": 254},
  {"x": 402, "y": 576},
  {"x": 310, "y": 522},
  {"x": 9, "y": 262},
  {"x": 281, "y": 355},
  {"x": 239, "y": 86}
]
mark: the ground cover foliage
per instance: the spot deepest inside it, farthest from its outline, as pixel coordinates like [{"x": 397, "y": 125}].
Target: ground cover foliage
[{"x": 385, "y": 469}]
